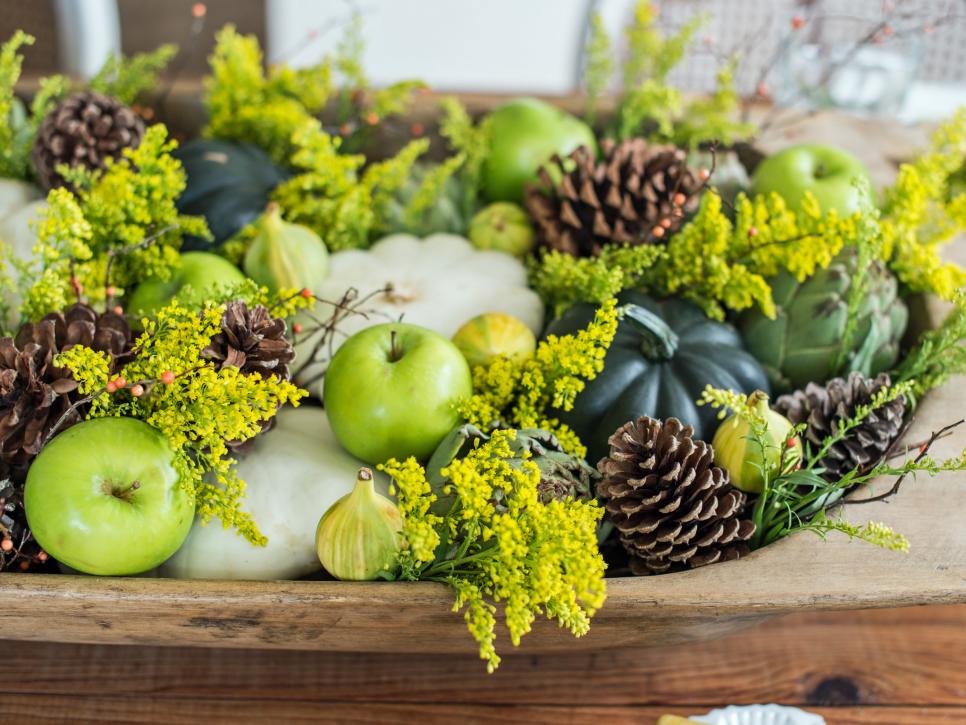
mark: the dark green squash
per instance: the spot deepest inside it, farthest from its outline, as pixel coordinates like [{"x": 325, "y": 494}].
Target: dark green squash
[
  {"x": 662, "y": 357},
  {"x": 228, "y": 184}
]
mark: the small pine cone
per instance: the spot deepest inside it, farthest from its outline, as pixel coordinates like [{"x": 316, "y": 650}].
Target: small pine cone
[
  {"x": 637, "y": 194},
  {"x": 252, "y": 341},
  {"x": 34, "y": 393},
  {"x": 22, "y": 552},
  {"x": 672, "y": 507},
  {"x": 80, "y": 324},
  {"x": 824, "y": 407},
  {"x": 85, "y": 129}
]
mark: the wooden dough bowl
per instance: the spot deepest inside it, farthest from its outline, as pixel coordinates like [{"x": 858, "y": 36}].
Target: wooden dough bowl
[{"x": 798, "y": 573}]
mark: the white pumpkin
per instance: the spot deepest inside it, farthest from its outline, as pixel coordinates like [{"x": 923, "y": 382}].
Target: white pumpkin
[
  {"x": 293, "y": 474},
  {"x": 438, "y": 282},
  {"x": 20, "y": 203},
  {"x": 20, "y": 206}
]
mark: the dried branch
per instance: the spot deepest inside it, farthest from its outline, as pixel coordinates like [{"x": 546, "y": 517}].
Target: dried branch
[{"x": 923, "y": 451}]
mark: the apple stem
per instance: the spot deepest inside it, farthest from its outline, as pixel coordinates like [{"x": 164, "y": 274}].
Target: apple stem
[
  {"x": 124, "y": 494},
  {"x": 394, "y": 352}
]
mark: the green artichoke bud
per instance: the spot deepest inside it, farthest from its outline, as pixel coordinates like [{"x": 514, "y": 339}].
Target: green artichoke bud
[
  {"x": 801, "y": 345},
  {"x": 284, "y": 255},
  {"x": 504, "y": 227},
  {"x": 562, "y": 476},
  {"x": 358, "y": 537},
  {"x": 741, "y": 455},
  {"x": 444, "y": 215}
]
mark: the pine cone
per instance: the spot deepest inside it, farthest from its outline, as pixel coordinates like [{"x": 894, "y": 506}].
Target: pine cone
[
  {"x": 80, "y": 324},
  {"x": 635, "y": 195},
  {"x": 22, "y": 552},
  {"x": 34, "y": 394},
  {"x": 84, "y": 130},
  {"x": 252, "y": 341},
  {"x": 672, "y": 507},
  {"x": 824, "y": 408}
]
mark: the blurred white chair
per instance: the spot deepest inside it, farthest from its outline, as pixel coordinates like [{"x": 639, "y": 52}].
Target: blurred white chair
[{"x": 89, "y": 32}]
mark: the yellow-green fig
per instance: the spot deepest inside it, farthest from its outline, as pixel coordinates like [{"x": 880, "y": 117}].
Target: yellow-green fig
[
  {"x": 284, "y": 255},
  {"x": 504, "y": 227},
  {"x": 358, "y": 537},
  {"x": 493, "y": 335},
  {"x": 739, "y": 453}
]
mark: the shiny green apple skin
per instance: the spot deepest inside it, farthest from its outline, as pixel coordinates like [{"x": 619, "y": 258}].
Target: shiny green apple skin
[
  {"x": 826, "y": 171},
  {"x": 83, "y": 511},
  {"x": 200, "y": 274},
  {"x": 385, "y": 402},
  {"x": 524, "y": 134}
]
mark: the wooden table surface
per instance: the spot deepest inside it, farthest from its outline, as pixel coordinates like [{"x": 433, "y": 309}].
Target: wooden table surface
[{"x": 901, "y": 666}]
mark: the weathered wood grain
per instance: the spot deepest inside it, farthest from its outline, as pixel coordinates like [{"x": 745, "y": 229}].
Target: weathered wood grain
[
  {"x": 110, "y": 709},
  {"x": 872, "y": 658},
  {"x": 799, "y": 572}
]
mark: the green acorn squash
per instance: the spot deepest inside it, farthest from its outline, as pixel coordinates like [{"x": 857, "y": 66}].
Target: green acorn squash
[
  {"x": 228, "y": 184},
  {"x": 662, "y": 357}
]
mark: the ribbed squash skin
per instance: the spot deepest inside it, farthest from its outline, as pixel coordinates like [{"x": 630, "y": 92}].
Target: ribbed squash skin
[
  {"x": 228, "y": 184},
  {"x": 633, "y": 383}
]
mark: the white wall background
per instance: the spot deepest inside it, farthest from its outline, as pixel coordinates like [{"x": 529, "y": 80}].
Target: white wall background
[
  {"x": 533, "y": 45},
  {"x": 484, "y": 45}
]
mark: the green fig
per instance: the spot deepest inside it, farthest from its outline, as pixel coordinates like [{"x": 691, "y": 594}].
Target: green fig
[
  {"x": 505, "y": 227},
  {"x": 736, "y": 450},
  {"x": 358, "y": 537},
  {"x": 284, "y": 255}
]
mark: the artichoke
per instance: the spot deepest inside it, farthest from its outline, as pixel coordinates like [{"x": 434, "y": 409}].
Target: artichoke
[
  {"x": 444, "y": 215},
  {"x": 801, "y": 345},
  {"x": 562, "y": 475}
]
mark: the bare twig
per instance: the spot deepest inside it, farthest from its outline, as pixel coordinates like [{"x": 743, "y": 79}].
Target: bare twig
[{"x": 923, "y": 451}]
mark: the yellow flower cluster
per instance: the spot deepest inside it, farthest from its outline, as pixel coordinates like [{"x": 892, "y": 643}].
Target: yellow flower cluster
[
  {"x": 562, "y": 280},
  {"x": 524, "y": 394},
  {"x": 536, "y": 559},
  {"x": 332, "y": 195},
  {"x": 18, "y": 128},
  {"x": 721, "y": 264},
  {"x": 127, "y": 211},
  {"x": 716, "y": 262},
  {"x": 923, "y": 212},
  {"x": 267, "y": 109},
  {"x": 421, "y": 527},
  {"x": 199, "y": 412},
  {"x": 245, "y": 105}
]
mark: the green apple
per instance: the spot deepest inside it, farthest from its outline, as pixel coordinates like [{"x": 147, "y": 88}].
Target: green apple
[
  {"x": 523, "y": 135},
  {"x": 828, "y": 172},
  {"x": 103, "y": 497},
  {"x": 200, "y": 274},
  {"x": 390, "y": 390}
]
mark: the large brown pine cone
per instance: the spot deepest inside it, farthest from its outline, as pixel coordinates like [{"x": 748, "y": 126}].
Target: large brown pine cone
[
  {"x": 34, "y": 393},
  {"x": 252, "y": 341},
  {"x": 673, "y": 508},
  {"x": 824, "y": 407},
  {"x": 636, "y": 194},
  {"x": 85, "y": 129}
]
